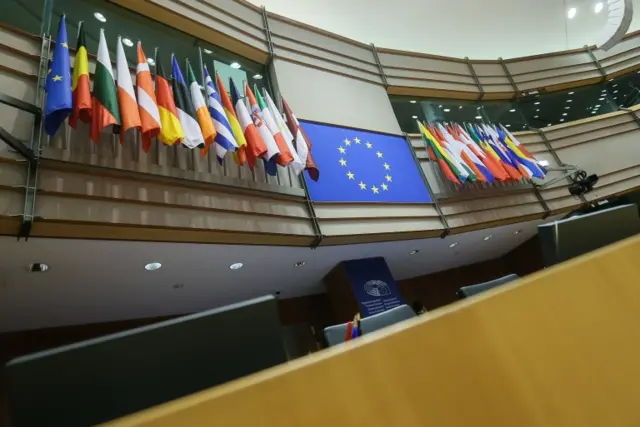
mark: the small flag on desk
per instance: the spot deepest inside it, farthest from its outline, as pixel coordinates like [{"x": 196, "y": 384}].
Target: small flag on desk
[
  {"x": 58, "y": 85},
  {"x": 360, "y": 166}
]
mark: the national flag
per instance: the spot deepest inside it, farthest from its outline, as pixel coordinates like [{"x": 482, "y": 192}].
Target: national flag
[
  {"x": 255, "y": 145},
  {"x": 483, "y": 141},
  {"x": 303, "y": 143},
  {"x": 507, "y": 162},
  {"x": 129, "y": 113},
  {"x": 473, "y": 142},
  {"x": 470, "y": 157},
  {"x": 285, "y": 156},
  {"x": 147, "y": 103},
  {"x": 297, "y": 164},
  {"x": 463, "y": 171},
  {"x": 523, "y": 156},
  {"x": 241, "y": 155},
  {"x": 186, "y": 113},
  {"x": 171, "y": 130},
  {"x": 104, "y": 110},
  {"x": 437, "y": 153},
  {"x": 225, "y": 141},
  {"x": 202, "y": 113},
  {"x": 58, "y": 85},
  {"x": 80, "y": 84},
  {"x": 273, "y": 151}
]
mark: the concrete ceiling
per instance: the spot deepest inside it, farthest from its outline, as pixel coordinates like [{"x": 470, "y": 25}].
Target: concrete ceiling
[
  {"x": 99, "y": 281},
  {"x": 479, "y": 29}
]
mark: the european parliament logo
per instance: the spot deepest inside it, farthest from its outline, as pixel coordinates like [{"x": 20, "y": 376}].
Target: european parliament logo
[{"x": 360, "y": 166}]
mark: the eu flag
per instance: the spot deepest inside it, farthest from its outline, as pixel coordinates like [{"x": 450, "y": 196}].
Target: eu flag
[
  {"x": 58, "y": 85},
  {"x": 359, "y": 166}
]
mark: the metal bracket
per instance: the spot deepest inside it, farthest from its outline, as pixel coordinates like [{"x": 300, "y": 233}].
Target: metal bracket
[
  {"x": 312, "y": 214},
  {"x": 475, "y": 77},
  {"x": 509, "y": 77},
  {"x": 18, "y": 146},
  {"x": 596, "y": 62},
  {"x": 633, "y": 114},
  {"x": 383, "y": 76},
  {"x": 443, "y": 219}
]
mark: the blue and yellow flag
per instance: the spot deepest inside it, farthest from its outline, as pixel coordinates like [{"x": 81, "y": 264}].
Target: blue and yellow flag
[{"x": 59, "y": 103}]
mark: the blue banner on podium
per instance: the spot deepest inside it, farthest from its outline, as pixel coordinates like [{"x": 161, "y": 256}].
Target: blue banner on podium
[{"x": 373, "y": 285}]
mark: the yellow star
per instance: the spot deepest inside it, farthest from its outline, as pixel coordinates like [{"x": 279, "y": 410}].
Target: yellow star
[
  {"x": 386, "y": 166},
  {"x": 342, "y": 150},
  {"x": 388, "y": 177},
  {"x": 343, "y": 162},
  {"x": 357, "y": 140},
  {"x": 347, "y": 142},
  {"x": 362, "y": 185},
  {"x": 350, "y": 175},
  {"x": 57, "y": 78},
  {"x": 65, "y": 45},
  {"x": 374, "y": 189},
  {"x": 385, "y": 187},
  {"x": 369, "y": 145},
  {"x": 379, "y": 154}
]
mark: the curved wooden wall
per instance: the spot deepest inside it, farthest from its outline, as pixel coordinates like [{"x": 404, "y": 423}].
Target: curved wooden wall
[{"x": 557, "y": 348}]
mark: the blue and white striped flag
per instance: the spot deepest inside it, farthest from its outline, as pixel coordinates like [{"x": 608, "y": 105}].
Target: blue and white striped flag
[{"x": 225, "y": 140}]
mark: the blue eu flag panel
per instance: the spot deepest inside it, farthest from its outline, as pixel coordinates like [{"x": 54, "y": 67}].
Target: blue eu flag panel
[{"x": 360, "y": 166}]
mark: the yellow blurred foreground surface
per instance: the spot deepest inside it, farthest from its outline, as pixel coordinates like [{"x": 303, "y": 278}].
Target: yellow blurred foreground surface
[{"x": 559, "y": 348}]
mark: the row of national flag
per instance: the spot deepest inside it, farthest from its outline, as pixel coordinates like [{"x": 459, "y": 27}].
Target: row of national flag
[
  {"x": 174, "y": 109},
  {"x": 479, "y": 153}
]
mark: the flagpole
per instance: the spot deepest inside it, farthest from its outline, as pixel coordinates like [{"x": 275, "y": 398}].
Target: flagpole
[{"x": 155, "y": 72}]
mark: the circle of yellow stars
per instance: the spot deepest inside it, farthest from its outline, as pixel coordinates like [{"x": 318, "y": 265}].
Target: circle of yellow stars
[{"x": 388, "y": 179}]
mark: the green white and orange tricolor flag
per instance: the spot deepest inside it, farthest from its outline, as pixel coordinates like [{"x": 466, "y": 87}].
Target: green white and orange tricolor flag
[
  {"x": 129, "y": 114},
  {"x": 202, "y": 113},
  {"x": 104, "y": 102},
  {"x": 80, "y": 83},
  {"x": 147, "y": 103}
]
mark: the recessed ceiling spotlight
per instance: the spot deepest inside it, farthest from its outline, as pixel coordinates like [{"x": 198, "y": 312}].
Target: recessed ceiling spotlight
[
  {"x": 562, "y": 120},
  {"x": 571, "y": 13},
  {"x": 446, "y": 110},
  {"x": 127, "y": 42},
  {"x": 508, "y": 126},
  {"x": 235, "y": 65},
  {"x": 535, "y": 117},
  {"x": 478, "y": 117},
  {"x": 488, "y": 237},
  {"x": 537, "y": 110},
  {"x": 257, "y": 76},
  {"x": 100, "y": 17},
  {"x": 38, "y": 267},
  {"x": 571, "y": 93},
  {"x": 415, "y": 251},
  {"x": 460, "y": 107},
  {"x": 615, "y": 97},
  {"x": 569, "y": 100},
  {"x": 598, "y": 7},
  {"x": 567, "y": 108},
  {"x": 152, "y": 266},
  {"x": 151, "y": 62},
  {"x": 413, "y": 101},
  {"x": 536, "y": 103},
  {"x": 439, "y": 106},
  {"x": 207, "y": 51},
  {"x": 548, "y": 124},
  {"x": 564, "y": 114},
  {"x": 517, "y": 232},
  {"x": 615, "y": 91},
  {"x": 453, "y": 245},
  {"x": 615, "y": 85},
  {"x": 300, "y": 264},
  {"x": 236, "y": 266},
  {"x": 597, "y": 106},
  {"x": 594, "y": 112},
  {"x": 414, "y": 117},
  {"x": 600, "y": 99},
  {"x": 513, "y": 110}
]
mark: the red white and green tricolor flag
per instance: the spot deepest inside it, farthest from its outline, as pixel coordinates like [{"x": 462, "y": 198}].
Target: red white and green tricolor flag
[{"x": 104, "y": 101}]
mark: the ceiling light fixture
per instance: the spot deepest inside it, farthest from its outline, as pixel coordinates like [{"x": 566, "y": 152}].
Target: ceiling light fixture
[
  {"x": 600, "y": 99},
  {"x": 569, "y": 100},
  {"x": 439, "y": 106},
  {"x": 207, "y": 51},
  {"x": 488, "y": 237},
  {"x": 571, "y": 13},
  {"x": 571, "y": 93},
  {"x": 38, "y": 267},
  {"x": 598, "y": 7},
  {"x": 300, "y": 264},
  {"x": 257, "y": 76},
  {"x": 453, "y": 245},
  {"x": 478, "y": 117},
  {"x": 235, "y": 65},
  {"x": 508, "y": 126},
  {"x": 415, "y": 251},
  {"x": 460, "y": 107},
  {"x": 414, "y": 117},
  {"x": 517, "y": 232},
  {"x": 562, "y": 120},
  {"x": 615, "y": 85},
  {"x": 151, "y": 62},
  {"x": 100, "y": 17},
  {"x": 535, "y": 117},
  {"x": 615, "y": 91},
  {"x": 548, "y": 124},
  {"x": 127, "y": 42},
  {"x": 597, "y": 106},
  {"x": 564, "y": 114},
  {"x": 567, "y": 108},
  {"x": 413, "y": 101},
  {"x": 536, "y": 103},
  {"x": 513, "y": 110},
  {"x": 594, "y": 112},
  {"x": 446, "y": 110},
  {"x": 537, "y": 110},
  {"x": 152, "y": 266},
  {"x": 236, "y": 266}
]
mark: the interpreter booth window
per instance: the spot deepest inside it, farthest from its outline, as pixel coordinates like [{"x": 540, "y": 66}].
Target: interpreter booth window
[
  {"x": 25, "y": 15},
  {"x": 624, "y": 91},
  {"x": 159, "y": 42},
  {"x": 547, "y": 109}
]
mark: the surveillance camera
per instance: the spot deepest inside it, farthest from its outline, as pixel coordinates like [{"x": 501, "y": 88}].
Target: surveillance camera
[
  {"x": 583, "y": 184},
  {"x": 38, "y": 267}
]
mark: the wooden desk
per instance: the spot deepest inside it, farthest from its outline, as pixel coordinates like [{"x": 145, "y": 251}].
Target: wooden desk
[{"x": 558, "y": 348}]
